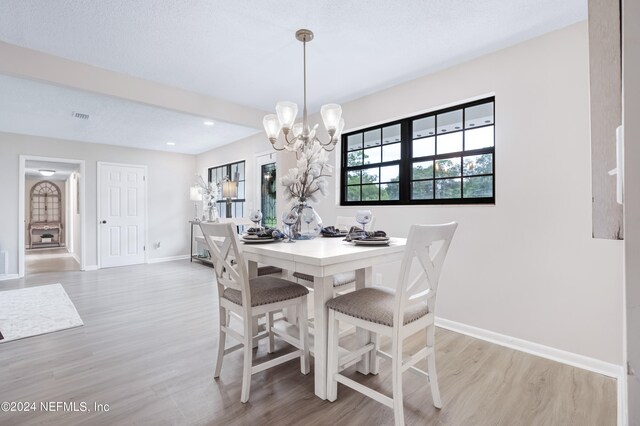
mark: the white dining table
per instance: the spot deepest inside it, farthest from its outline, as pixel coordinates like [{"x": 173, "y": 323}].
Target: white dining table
[{"x": 322, "y": 258}]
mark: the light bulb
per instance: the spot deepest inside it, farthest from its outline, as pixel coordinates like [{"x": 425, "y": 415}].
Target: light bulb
[
  {"x": 287, "y": 112},
  {"x": 331, "y": 114},
  {"x": 271, "y": 126}
]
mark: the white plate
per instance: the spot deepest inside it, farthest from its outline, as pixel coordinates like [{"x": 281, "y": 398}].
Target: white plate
[
  {"x": 258, "y": 240},
  {"x": 253, "y": 237},
  {"x": 371, "y": 242}
]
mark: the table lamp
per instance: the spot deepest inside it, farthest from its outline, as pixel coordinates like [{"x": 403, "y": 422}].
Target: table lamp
[
  {"x": 229, "y": 191},
  {"x": 196, "y": 196}
]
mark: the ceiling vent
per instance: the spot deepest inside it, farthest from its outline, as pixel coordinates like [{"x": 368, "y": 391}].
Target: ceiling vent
[{"x": 80, "y": 115}]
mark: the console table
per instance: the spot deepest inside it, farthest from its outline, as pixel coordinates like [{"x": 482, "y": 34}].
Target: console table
[
  {"x": 200, "y": 238},
  {"x": 238, "y": 221},
  {"x": 44, "y": 226}
]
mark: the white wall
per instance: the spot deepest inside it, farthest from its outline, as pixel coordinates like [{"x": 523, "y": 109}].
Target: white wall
[
  {"x": 73, "y": 215},
  {"x": 169, "y": 178},
  {"x": 606, "y": 114},
  {"x": 526, "y": 267}
]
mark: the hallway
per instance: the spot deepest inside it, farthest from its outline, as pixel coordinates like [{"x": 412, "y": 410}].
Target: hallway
[{"x": 49, "y": 260}]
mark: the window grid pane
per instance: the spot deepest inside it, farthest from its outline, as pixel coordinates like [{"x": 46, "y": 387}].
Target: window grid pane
[
  {"x": 445, "y": 156},
  {"x": 234, "y": 171}
]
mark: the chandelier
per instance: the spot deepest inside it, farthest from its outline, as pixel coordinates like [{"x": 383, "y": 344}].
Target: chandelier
[{"x": 299, "y": 135}]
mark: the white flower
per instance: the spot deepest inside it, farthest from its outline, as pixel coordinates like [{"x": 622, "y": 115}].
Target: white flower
[
  {"x": 309, "y": 176},
  {"x": 209, "y": 190}
]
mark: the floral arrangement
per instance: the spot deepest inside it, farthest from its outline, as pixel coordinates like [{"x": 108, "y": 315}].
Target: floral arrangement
[
  {"x": 210, "y": 193},
  {"x": 309, "y": 177},
  {"x": 209, "y": 190}
]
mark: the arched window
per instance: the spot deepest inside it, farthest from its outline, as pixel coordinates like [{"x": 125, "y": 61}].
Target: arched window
[{"x": 46, "y": 205}]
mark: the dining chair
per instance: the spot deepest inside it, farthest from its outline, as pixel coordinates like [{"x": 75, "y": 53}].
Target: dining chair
[
  {"x": 395, "y": 314},
  {"x": 345, "y": 280},
  {"x": 245, "y": 222},
  {"x": 249, "y": 298}
]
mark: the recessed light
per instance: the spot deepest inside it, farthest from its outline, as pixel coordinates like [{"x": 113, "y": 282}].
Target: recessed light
[
  {"x": 171, "y": 143},
  {"x": 45, "y": 172},
  {"x": 208, "y": 123}
]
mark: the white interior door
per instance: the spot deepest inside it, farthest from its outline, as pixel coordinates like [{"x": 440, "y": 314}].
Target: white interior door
[{"x": 121, "y": 214}]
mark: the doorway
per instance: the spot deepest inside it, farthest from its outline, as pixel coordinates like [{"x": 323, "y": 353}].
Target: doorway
[{"x": 50, "y": 215}]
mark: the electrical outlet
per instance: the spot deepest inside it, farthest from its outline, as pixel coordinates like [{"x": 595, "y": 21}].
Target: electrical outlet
[{"x": 378, "y": 279}]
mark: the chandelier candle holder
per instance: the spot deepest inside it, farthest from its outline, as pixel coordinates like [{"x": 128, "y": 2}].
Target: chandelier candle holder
[{"x": 297, "y": 136}]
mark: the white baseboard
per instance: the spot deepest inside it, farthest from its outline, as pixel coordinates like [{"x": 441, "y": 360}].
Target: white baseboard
[
  {"x": 90, "y": 268},
  {"x": 76, "y": 257},
  {"x": 5, "y": 277},
  {"x": 168, "y": 259},
  {"x": 586, "y": 363},
  {"x": 565, "y": 357}
]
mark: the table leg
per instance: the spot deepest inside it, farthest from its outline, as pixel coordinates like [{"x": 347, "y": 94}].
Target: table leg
[
  {"x": 323, "y": 292},
  {"x": 290, "y": 314},
  {"x": 365, "y": 366},
  {"x": 191, "y": 241},
  {"x": 252, "y": 268}
]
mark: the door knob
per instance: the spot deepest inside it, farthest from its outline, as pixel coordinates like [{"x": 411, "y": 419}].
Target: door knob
[{"x": 104, "y": 221}]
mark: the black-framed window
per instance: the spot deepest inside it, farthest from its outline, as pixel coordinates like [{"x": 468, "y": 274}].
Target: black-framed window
[
  {"x": 441, "y": 157},
  {"x": 233, "y": 171}
]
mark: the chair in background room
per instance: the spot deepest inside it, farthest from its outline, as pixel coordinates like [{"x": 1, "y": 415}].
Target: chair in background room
[
  {"x": 249, "y": 298},
  {"x": 396, "y": 314}
]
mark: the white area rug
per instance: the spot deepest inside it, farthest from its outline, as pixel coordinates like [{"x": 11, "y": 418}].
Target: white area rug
[{"x": 27, "y": 312}]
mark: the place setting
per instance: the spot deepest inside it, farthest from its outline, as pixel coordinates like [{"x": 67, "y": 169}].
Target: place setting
[
  {"x": 359, "y": 236},
  {"x": 258, "y": 234},
  {"x": 334, "y": 232}
]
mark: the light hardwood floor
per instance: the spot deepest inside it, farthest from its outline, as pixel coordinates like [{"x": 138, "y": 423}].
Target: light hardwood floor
[
  {"x": 147, "y": 349},
  {"x": 39, "y": 261}
]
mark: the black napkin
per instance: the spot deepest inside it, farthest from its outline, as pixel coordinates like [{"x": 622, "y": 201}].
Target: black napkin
[
  {"x": 331, "y": 231},
  {"x": 270, "y": 233},
  {"x": 356, "y": 233}
]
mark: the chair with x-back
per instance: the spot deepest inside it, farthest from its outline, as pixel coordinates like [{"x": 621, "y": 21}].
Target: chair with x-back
[
  {"x": 249, "y": 298},
  {"x": 396, "y": 314}
]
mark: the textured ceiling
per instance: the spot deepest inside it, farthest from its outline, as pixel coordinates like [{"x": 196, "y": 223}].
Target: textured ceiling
[
  {"x": 33, "y": 108},
  {"x": 245, "y": 52}
]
